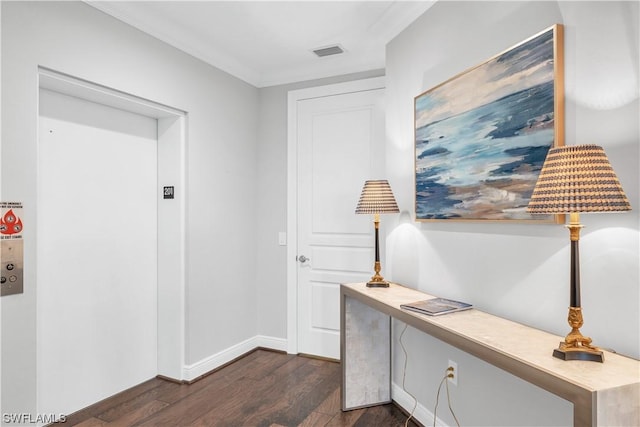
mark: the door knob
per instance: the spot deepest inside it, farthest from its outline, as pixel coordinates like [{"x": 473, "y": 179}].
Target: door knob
[{"x": 303, "y": 259}]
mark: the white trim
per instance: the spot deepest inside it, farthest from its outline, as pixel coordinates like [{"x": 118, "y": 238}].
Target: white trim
[
  {"x": 388, "y": 25},
  {"x": 84, "y": 89},
  {"x": 172, "y": 259},
  {"x": 208, "y": 364},
  {"x": 406, "y": 402},
  {"x": 292, "y": 199},
  {"x": 272, "y": 343},
  {"x": 186, "y": 42}
]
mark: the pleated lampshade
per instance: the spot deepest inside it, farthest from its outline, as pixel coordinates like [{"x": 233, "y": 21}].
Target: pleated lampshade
[
  {"x": 377, "y": 198},
  {"x": 577, "y": 178}
]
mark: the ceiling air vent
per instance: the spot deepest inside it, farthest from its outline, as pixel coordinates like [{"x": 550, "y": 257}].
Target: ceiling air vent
[{"x": 329, "y": 50}]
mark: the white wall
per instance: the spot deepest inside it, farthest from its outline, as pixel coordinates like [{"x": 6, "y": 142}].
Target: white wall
[
  {"x": 74, "y": 38},
  {"x": 518, "y": 271}
]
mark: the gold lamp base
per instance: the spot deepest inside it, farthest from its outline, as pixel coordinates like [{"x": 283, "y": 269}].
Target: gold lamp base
[
  {"x": 378, "y": 284},
  {"x": 576, "y": 346},
  {"x": 377, "y": 281},
  {"x": 572, "y": 353}
]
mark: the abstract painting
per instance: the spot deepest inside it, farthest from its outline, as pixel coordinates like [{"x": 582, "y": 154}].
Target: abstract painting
[{"x": 482, "y": 136}]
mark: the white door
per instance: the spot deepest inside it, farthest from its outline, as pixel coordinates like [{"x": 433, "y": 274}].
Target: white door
[
  {"x": 97, "y": 252},
  {"x": 340, "y": 145}
]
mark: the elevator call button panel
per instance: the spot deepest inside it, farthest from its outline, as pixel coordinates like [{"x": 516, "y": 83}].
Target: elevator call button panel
[{"x": 11, "y": 281}]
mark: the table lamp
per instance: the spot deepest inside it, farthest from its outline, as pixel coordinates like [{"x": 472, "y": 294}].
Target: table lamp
[
  {"x": 577, "y": 179},
  {"x": 377, "y": 198}
]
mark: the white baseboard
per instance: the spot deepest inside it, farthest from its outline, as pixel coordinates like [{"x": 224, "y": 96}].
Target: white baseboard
[
  {"x": 422, "y": 414},
  {"x": 272, "y": 343},
  {"x": 208, "y": 364}
]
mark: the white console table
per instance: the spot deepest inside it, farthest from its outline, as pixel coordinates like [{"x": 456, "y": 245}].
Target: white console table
[{"x": 603, "y": 394}]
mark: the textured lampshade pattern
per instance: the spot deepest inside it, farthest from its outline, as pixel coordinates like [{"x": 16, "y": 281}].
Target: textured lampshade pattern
[
  {"x": 377, "y": 197},
  {"x": 577, "y": 178}
]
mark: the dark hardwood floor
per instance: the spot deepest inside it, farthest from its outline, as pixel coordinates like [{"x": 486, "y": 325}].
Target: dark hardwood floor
[{"x": 264, "y": 388}]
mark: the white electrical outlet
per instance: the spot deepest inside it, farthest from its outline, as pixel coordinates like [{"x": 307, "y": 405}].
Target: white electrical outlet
[{"x": 452, "y": 372}]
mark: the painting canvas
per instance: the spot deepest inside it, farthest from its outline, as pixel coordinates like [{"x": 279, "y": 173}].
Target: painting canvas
[{"x": 481, "y": 137}]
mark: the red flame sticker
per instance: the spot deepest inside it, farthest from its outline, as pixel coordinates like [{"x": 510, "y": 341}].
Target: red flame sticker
[{"x": 10, "y": 223}]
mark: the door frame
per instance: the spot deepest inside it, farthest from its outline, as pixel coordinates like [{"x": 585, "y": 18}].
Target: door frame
[
  {"x": 171, "y": 240},
  {"x": 294, "y": 97}
]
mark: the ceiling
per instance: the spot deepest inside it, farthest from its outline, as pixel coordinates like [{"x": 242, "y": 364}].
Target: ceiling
[{"x": 267, "y": 43}]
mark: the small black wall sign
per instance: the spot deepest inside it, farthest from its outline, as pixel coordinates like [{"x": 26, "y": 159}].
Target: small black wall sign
[{"x": 168, "y": 192}]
